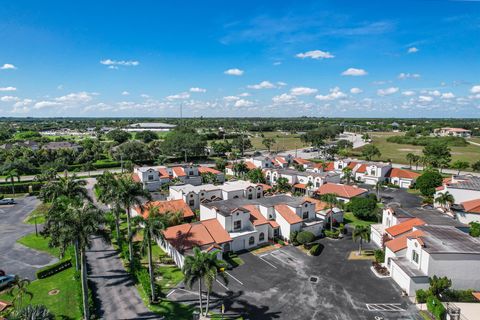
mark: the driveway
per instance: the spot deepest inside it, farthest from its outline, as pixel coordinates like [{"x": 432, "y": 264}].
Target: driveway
[
  {"x": 14, "y": 257},
  {"x": 278, "y": 285}
]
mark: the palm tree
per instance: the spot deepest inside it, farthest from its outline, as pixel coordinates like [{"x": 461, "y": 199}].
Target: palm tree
[
  {"x": 347, "y": 174},
  {"x": 129, "y": 194},
  {"x": 11, "y": 176},
  {"x": 282, "y": 185},
  {"x": 18, "y": 291},
  {"x": 214, "y": 267},
  {"x": 331, "y": 200},
  {"x": 361, "y": 233},
  {"x": 70, "y": 187},
  {"x": 416, "y": 160},
  {"x": 410, "y": 157},
  {"x": 445, "y": 199},
  {"x": 194, "y": 270},
  {"x": 32, "y": 312},
  {"x": 378, "y": 187},
  {"x": 107, "y": 186},
  {"x": 240, "y": 168}
]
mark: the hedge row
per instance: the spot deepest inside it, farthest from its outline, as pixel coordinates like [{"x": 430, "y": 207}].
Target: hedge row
[
  {"x": 21, "y": 188},
  {"x": 54, "y": 269}
]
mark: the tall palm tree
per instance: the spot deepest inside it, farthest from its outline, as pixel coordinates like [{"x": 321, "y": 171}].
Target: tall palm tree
[
  {"x": 129, "y": 194},
  {"x": 194, "y": 271},
  {"x": 445, "y": 199},
  {"x": 214, "y": 267},
  {"x": 378, "y": 187},
  {"x": 331, "y": 200},
  {"x": 107, "y": 186},
  {"x": 347, "y": 174},
  {"x": 11, "y": 176},
  {"x": 18, "y": 291},
  {"x": 361, "y": 233},
  {"x": 68, "y": 186},
  {"x": 410, "y": 157},
  {"x": 416, "y": 160}
]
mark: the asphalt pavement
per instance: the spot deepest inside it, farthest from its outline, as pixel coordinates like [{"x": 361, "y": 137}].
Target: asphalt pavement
[{"x": 14, "y": 257}]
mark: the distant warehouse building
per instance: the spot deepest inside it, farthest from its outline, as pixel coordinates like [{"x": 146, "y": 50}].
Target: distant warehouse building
[{"x": 150, "y": 126}]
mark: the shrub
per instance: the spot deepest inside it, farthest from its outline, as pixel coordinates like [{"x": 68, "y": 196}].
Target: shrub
[
  {"x": 363, "y": 208},
  {"x": 459, "y": 296},
  {"x": 439, "y": 285},
  {"x": 435, "y": 306},
  {"x": 315, "y": 249},
  {"x": 422, "y": 295},
  {"x": 144, "y": 279},
  {"x": 293, "y": 238},
  {"x": 53, "y": 269},
  {"x": 474, "y": 229},
  {"x": 332, "y": 234},
  {"x": 428, "y": 181},
  {"x": 305, "y": 237},
  {"x": 379, "y": 255}
]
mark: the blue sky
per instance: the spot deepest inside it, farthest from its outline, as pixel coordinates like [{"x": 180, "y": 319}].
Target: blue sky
[{"x": 240, "y": 58}]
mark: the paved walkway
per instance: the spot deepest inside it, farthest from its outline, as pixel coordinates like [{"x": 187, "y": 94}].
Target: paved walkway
[{"x": 114, "y": 290}]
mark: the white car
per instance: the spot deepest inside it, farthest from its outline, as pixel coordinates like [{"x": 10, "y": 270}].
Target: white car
[{"x": 7, "y": 201}]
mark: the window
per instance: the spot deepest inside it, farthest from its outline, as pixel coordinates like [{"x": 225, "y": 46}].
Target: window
[
  {"x": 415, "y": 256},
  {"x": 259, "y": 195},
  {"x": 191, "y": 203},
  {"x": 237, "y": 225},
  {"x": 190, "y": 173},
  {"x": 251, "y": 241},
  {"x": 150, "y": 177},
  {"x": 250, "y": 197},
  {"x": 261, "y": 236},
  {"x": 317, "y": 184},
  {"x": 305, "y": 215}
]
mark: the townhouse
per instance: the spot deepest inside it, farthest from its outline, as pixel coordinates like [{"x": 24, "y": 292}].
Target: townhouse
[
  {"x": 169, "y": 206},
  {"x": 343, "y": 192},
  {"x": 462, "y": 188},
  {"x": 401, "y": 177},
  {"x": 196, "y": 195},
  {"x": 453, "y": 132},
  {"x": 301, "y": 180},
  {"x": 372, "y": 172},
  {"x": 468, "y": 211}
]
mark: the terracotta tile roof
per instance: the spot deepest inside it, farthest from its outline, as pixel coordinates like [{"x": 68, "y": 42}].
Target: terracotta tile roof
[
  {"x": 404, "y": 227},
  {"x": 163, "y": 173},
  {"x": 208, "y": 169},
  {"x": 202, "y": 233},
  {"x": 288, "y": 214},
  {"x": 179, "y": 172},
  {"x": 472, "y": 206},
  {"x": 301, "y": 161},
  {"x": 300, "y": 186},
  {"x": 352, "y": 165},
  {"x": 400, "y": 243},
  {"x": 135, "y": 177},
  {"x": 256, "y": 216},
  {"x": 341, "y": 190},
  {"x": 168, "y": 206},
  {"x": 401, "y": 173},
  {"x": 273, "y": 224},
  {"x": 476, "y": 295},
  {"x": 329, "y": 166},
  {"x": 362, "y": 168},
  {"x": 266, "y": 187},
  {"x": 319, "y": 205},
  {"x": 440, "y": 188},
  {"x": 250, "y": 165},
  {"x": 281, "y": 160}
]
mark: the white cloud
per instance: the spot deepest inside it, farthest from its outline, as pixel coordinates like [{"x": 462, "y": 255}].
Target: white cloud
[
  {"x": 46, "y": 104},
  {"x": 475, "y": 89},
  {"x": 354, "y": 72},
  {"x": 277, "y": 63},
  {"x": 334, "y": 94},
  {"x": 179, "y": 96},
  {"x": 8, "y": 66},
  {"x": 448, "y": 95},
  {"x": 387, "y": 91},
  {"x": 435, "y": 93},
  {"x": 302, "y": 91},
  {"x": 412, "y": 50},
  {"x": 145, "y": 96},
  {"x": 231, "y": 98},
  {"x": 403, "y": 76},
  {"x": 125, "y": 93},
  {"x": 284, "y": 98},
  {"x": 281, "y": 84},
  {"x": 315, "y": 54},
  {"x": 113, "y": 64},
  {"x": 244, "y": 94},
  {"x": 9, "y": 99},
  {"x": 78, "y": 97},
  {"x": 8, "y": 89},
  {"x": 262, "y": 85},
  {"x": 243, "y": 103},
  {"x": 408, "y": 93},
  {"x": 196, "y": 89},
  {"x": 425, "y": 99},
  {"x": 234, "y": 72},
  {"x": 356, "y": 90}
]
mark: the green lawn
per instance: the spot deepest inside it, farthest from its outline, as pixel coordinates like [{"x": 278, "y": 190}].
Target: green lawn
[
  {"x": 40, "y": 212},
  {"x": 171, "y": 276},
  {"x": 38, "y": 243},
  {"x": 283, "y": 141},
  {"x": 354, "y": 221},
  {"x": 397, "y": 152}
]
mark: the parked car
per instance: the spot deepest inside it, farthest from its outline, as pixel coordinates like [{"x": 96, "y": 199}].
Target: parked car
[
  {"x": 7, "y": 201},
  {"x": 6, "y": 281}
]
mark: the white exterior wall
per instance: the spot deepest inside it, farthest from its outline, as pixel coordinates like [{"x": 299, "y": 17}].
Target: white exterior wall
[
  {"x": 207, "y": 213},
  {"x": 286, "y": 228},
  {"x": 466, "y": 217},
  {"x": 462, "y": 269},
  {"x": 375, "y": 235},
  {"x": 244, "y": 217},
  {"x": 172, "y": 252},
  {"x": 460, "y": 195}
]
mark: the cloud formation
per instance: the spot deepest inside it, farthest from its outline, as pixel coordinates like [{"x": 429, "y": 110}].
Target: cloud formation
[
  {"x": 4, "y": 89},
  {"x": 315, "y": 54},
  {"x": 354, "y": 72},
  {"x": 387, "y": 91},
  {"x": 198, "y": 90},
  {"x": 334, "y": 94},
  {"x": 114, "y": 64},
  {"x": 234, "y": 72},
  {"x": 412, "y": 50},
  {"x": 302, "y": 91},
  {"x": 8, "y": 66},
  {"x": 262, "y": 85}
]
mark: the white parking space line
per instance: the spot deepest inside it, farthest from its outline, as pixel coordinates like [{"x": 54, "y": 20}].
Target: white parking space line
[
  {"x": 224, "y": 286},
  {"x": 260, "y": 257},
  {"x": 171, "y": 292},
  {"x": 386, "y": 307},
  {"x": 234, "y": 278}
]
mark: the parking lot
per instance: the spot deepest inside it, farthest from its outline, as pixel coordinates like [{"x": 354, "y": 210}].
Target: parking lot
[
  {"x": 288, "y": 284},
  {"x": 15, "y": 258}
]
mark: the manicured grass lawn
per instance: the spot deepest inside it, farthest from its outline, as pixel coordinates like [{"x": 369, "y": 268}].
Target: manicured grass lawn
[
  {"x": 283, "y": 141},
  {"x": 65, "y": 305},
  {"x": 397, "y": 152},
  {"x": 38, "y": 243},
  {"x": 233, "y": 259},
  {"x": 171, "y": 276},
  {"x": 354, "y": 221},
  {"x": 40, "y": 211}
]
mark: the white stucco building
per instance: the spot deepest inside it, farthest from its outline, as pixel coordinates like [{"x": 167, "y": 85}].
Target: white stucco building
[
  {"x": 372, "y": 172},
  {"x": 462, "y": 188}
]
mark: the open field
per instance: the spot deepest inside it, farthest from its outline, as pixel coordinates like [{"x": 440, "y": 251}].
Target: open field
[
  {"x": 397, "y": 152},
  {"x": 283, "y": 141}
]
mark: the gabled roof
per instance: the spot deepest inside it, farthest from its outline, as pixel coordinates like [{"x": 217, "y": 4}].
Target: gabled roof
[
  {"x": 352, "y": 165},
  {"x": 404, "y": 227},
  {"x": 281, "y": 160},
  {"x": 472, "y": 206},
  {"x": 208, "y": 169},
  {"x": 300, "y": 186},
  {"x": 167, "y": 206},
  {"x": 341, "y": 190},
  {"x": 319, "y": 205},
  {"x": 401, "y": 173},
  {"x": 362, "y": 168},
  {"x": 250, "y": 165},
  {"x": 301, "y": 161},
  {"x": 400, "y": 243},
  {"x": 256, "y": 216},
  {"x": 288, "y": 214},
  {"x": 163, "y": 173},
  {"x": 179, "y": 172}
]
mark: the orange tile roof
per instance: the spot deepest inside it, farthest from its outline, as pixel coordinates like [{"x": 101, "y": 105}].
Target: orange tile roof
[
  {"x": 135, "y": 177},
  {"x": 208, "y": 169},
  {"x": 352, "y": 165},
  {"x": 273, "y": 224},
  {"x": 319, "y": 205},
  {"x": 300, "y": 186},
  {"x": 301, "y": 161},
  {"x": 341, "y": 190},
  {"x": 256, "y": 216},
  {"x": 329, "y": 166},
  {"x": 472, "y": 206},
  {"x": 250, "y": 165},
  {"x": 281, "y": 160},
  {"x": 405, "y": 226},
  {"x": 265, "y": 186},
  {"x": 476, "y": 295},
  {"x": 362, "y": 168},
  {"x": 163, "y": 173},
  {"x": 400, "y": 243},
  {"x": 440, "y": 188},
  {"x": 288, "y": 214},
  {"x": 179, "y": 172},
  {"x": 401, "y": 173},
  {"x": 167, "y": 206},
  {"x": 202, "y": 233}
]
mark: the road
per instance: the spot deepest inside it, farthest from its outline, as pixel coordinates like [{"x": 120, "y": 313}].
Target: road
[
  {"x": 14, "y": 257},
  {"x": 78, "y": 174}
]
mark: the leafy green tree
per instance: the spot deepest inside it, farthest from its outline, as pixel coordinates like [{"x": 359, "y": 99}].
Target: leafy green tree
[
  {"x": 370, "y": 151},
  {"x": 146, "y": 136},
  {"x": 209, "y": 177},
  {"x": 256, "y": 176},
  {"x": 119, "y": 136},
  {"x": 18, "y": 291},
  {"x": 221, "y": 148},
  {"x": 184, "y": 141},
  {"x": 445, "y": 199},
  {"x": 331, "y": 200},
  {"x": 268, "y": 143},
  {"x": 32, "y": 312},
  {"x": 220, "y": 164},
  {"x": 360, "y": 234},
  {"x": 437, "y": 153},
  {"x": 474, "y": 229},
  {"x": 410, "y": 157},
  {"x": 242, "y": 143},
  {"x": 344, "y": 144},
  {"x": 460, "y": 165},
  {"x": 134, "y": 151},
  {"x": 194, "y": 270},
  {"x": 107, "y": 186},
  {"x": 240, "y": 168},
  {"x": 428, "y": 181},
  {"x": 363, "y": 208},
  {"x": 347, "y": 174},
  {"x": 439, "y": 285},
  {"x": 11, "y": 176},
  {"x": 282, "y": 185},
  {"x": 305, "y": 237},
  {"x": 476, "y": 166}
]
